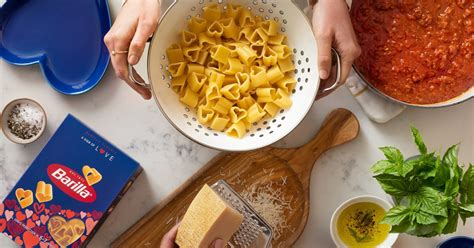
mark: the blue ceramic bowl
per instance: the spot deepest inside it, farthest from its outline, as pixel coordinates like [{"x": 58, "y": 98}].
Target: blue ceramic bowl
[
  {"x": 64, "y": 36},
  {"x": 457, "y": 242}
]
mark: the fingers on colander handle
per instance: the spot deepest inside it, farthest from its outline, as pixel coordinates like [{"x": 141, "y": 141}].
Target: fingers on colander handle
[
  {"x": 136, "y": 78},
  {"x": 334, "y": 81}
]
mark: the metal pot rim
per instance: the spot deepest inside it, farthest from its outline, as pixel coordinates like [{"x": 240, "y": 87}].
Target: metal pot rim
[{"x": 451, "y": 102}]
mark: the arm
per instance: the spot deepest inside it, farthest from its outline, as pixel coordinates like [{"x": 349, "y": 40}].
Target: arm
[
  {"x": 133, "y": 26},
  {"x": 338, "y": 34}
]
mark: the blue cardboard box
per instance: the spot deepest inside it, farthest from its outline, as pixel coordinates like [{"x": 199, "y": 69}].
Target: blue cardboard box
[{"x": 68, "y": 191}]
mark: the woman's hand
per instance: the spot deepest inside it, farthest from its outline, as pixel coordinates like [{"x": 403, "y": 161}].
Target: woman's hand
[
  {"x": 168, "y": 240},
  {"x": 133, "y": 26},
  {"x": 332, "y": 27}
]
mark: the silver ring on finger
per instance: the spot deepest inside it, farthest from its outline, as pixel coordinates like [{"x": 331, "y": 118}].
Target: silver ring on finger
[{"x": 118, "y": 52}]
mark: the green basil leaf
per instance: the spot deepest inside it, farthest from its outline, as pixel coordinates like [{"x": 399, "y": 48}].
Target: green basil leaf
[
  {"x": 426, "y": 166},
  {"x": 428, "y": 230},
  {"x": 452, "y": 187},
  {"x": 405, "y": 168},
  {"x": 397, "y": 166},
  {"x": 452, "y": 224},
  {"x": 467, "y": 207},
  {"x": 466, "y": 211},
  {"x": 453, "y": 216},
  {"x": 396, "y": 215},
  {"x": 455, "y": 172},
  {"x": 467, "y": 186},
  {"x": 442, "y": 173},
  {"x": 381, "y": 167},
  {"x": 392, "y": 154},
  {"x": 418, "y": 140},
  {"x": 429, "y": 200},
  {"x": 403, "y": 227},
  {"x": 440, "y": 225},
  {"x": 425, "y": 218},
  {"x": 393, "y": 185},
  {"x": 450, "y": 158}
]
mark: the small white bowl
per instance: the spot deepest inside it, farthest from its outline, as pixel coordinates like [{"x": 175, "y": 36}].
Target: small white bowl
[
  {"x": 6, "y": 113},
  {"x": 389, "y": 241}
]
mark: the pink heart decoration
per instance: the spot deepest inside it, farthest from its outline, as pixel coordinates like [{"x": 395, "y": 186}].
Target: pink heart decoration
[
  {"x": 8, "y": 214},
  {"x": 30, "y": 239},
  {"x": 30, "y": 224},
  {"x": 70, "y": 214},
  {"x": 14, "y": 228},
  {"x": 96, "y": 215},
  {"x": 28, "y": 213},
  {"x": 3, "y": 225},
  {"x": 44, "y": 219},
  {"x": 2, "y": 207},
  {"x": 39, "y": 208},
  {"x": 10, "y": 204},
  {"x": 83, "y": 215},
  {"x": 38, "y": 222},
  {"x": 54, "y": 209},
  {"x": 18, "y": 241},
  {"x": 40, "y": 230},
  {"x": 90, "y": 224},
  {"x": 44, "y": 245}
]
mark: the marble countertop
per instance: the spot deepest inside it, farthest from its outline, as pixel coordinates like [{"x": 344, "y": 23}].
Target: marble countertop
[{"x": 168, "y": 158}]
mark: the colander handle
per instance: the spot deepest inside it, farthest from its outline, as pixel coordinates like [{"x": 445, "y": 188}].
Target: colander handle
[
  {"x": 136, "y": 78},
  {"x": 327, "y": 86}
]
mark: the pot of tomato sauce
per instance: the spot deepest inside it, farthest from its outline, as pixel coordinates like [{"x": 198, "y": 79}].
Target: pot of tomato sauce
[{"x": 416, "y": 52}]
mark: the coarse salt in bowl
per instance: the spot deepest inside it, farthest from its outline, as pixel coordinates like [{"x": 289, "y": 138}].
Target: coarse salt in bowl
[{"x": 23, "y": 121}]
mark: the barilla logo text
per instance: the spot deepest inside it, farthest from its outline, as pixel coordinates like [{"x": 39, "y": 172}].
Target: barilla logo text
[{"x": 71, "y": 183}]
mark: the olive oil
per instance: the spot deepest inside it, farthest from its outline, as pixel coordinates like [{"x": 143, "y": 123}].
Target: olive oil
[{"x": 358, "y": 225}]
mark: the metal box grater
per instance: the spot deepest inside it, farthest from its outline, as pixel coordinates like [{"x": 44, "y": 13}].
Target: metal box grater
[{"x": 254, "y": 230}]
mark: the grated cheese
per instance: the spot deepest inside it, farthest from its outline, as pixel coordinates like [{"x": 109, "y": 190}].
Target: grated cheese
[{"x": 271, "y": 203}]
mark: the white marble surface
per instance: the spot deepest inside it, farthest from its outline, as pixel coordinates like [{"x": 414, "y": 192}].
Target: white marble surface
[{"x": 168, "y": 158}]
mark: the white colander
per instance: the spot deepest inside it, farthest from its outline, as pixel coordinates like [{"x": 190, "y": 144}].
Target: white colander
[{"x": 294, "y": 25}]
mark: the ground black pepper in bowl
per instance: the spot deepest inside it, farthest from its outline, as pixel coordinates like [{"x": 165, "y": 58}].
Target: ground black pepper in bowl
[{"x": 25, "y": 121}]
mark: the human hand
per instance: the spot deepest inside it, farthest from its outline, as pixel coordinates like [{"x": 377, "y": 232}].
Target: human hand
[
  {"x": 332, "y": 27},
  {"x": 168, "y": 240},
  {"x": 133, "y": 26}
]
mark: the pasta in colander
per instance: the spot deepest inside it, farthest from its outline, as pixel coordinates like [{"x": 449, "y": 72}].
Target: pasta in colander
[{"x": 234, "y": 68}]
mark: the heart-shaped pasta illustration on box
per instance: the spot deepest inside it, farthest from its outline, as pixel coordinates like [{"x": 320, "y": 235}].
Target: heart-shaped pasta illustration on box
[
  {"x": 24, "y": 197},
  {"x": 65, "y": 232},
  {"x": 44, "y": 192},
  {"x": 91, "y": 174}
]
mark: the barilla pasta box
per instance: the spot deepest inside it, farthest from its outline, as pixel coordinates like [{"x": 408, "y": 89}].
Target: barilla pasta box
[{"x": 68, "y": 191}]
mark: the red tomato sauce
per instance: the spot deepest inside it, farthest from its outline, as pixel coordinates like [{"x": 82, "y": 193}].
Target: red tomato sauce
[{"x": 416, "y": 51}]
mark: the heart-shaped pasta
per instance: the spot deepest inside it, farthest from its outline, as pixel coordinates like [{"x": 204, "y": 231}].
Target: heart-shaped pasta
[{"x": 249, "y": 74}]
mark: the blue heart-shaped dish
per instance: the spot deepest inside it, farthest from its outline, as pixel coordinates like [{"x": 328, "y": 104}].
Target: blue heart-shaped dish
[{"x": 64, "y": 36}]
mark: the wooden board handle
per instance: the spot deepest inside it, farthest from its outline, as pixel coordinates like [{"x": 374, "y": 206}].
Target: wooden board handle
[{"x": 339, "y": 127}]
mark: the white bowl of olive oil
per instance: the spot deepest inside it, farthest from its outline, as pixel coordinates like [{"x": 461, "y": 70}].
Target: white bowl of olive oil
[{"x": 356, "y": 223}]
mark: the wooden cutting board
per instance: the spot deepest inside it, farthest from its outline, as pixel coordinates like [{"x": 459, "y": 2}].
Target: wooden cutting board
[{"x": 286, "y": 171}]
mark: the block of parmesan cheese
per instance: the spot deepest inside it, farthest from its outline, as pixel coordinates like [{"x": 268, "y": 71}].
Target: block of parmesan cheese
[{"x": 208, "y": 218}]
